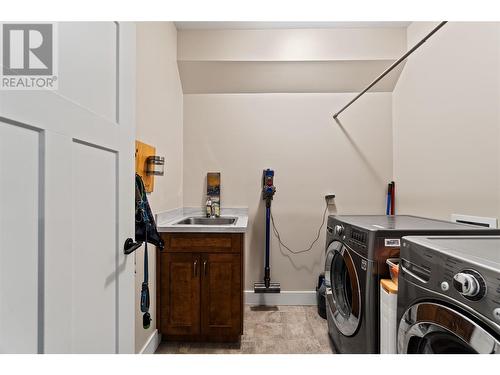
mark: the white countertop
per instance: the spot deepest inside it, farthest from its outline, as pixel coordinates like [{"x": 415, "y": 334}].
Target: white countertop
[{"x": 166, "y": 221}]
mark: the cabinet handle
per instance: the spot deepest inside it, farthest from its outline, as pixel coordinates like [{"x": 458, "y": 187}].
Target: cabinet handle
[
  {"x": 205, "y": 267},
  {"x": 195, "y": 268}
]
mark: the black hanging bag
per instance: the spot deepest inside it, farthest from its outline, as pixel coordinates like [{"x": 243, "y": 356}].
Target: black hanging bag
[
  {"x": 145, "y": 231},
  {"x": 145, "y": 226}
]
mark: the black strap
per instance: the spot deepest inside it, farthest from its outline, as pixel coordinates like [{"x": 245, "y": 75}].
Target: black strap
[
  {"x": 145, "y": 286},
  {"x": 146, "y": 263},
  {"x": 145, "y": 300},
  {"x": 146, "y": 318}
]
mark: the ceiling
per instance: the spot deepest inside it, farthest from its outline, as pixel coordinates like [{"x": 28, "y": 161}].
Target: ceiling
[{"x": 214, "y": 25}]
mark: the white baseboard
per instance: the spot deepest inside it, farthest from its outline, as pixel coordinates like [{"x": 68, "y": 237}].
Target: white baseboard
[
  {"x": 302, "y": 297},
  {"x": 152, "y": 344}
]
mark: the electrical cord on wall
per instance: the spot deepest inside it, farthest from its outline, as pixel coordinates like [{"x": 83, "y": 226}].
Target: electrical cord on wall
[{"x": 277, "y": 234}]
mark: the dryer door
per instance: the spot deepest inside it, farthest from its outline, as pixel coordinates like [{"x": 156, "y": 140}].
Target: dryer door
[
  {"x": 431, "y": 328},
  {"x": 343, "y": 293}
]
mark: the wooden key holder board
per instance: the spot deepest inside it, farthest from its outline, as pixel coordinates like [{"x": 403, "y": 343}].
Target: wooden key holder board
[{"x": 142, "y": 152}]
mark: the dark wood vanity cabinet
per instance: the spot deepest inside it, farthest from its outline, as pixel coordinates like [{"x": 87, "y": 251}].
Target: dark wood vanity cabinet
[
  {"x": 200, "y": 287},
  {"x": 178, "y": 288}
]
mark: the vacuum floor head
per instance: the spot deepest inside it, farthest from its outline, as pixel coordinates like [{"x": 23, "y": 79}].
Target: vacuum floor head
[{"x": 261, "y": 288}]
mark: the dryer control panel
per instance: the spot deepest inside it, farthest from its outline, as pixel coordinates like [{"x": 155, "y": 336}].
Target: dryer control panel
[
  {"x": 358, "y": 239},
  {"x": 358, "y": 236}
]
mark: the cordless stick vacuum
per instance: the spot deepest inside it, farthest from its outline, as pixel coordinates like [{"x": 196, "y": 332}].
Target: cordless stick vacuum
[{"x": 268, "y": 190}]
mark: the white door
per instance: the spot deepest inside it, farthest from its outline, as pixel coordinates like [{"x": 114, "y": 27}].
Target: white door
[{"x": 66, "y": 200}]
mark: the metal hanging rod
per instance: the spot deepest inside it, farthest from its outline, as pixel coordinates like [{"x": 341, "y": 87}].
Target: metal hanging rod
[{"x": 389, "y": 69}]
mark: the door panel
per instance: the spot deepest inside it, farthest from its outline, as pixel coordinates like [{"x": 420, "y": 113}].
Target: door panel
[
  {"x": 95, "y": 249},
  {"x": 93, "y": 57},
  {"x": 20, "y": 247},
  {"x": 86, "y": 290},
  {"x": 221, "y": 294},
  {"x": 58, "y": 260},
  {"x": 180, "y": 287}
]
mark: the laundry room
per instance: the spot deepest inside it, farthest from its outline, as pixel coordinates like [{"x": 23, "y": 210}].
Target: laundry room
[
  {"x": 240, "y": 118},
  {"x": 234, "y": 185}
]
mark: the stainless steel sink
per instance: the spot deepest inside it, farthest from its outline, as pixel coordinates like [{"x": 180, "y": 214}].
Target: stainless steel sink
[{"x": 199, "y": 220}]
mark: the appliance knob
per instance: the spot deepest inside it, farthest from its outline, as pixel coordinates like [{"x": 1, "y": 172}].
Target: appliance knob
[
  {"x": 445, "y": 286},
  {"x": 339, "y": 230},
  {"x": 496, "y": 314},
  {"x": 466, "y": 284}
]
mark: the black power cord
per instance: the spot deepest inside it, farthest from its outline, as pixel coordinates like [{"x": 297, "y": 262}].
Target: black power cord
[{"x": 277, "y": 234}]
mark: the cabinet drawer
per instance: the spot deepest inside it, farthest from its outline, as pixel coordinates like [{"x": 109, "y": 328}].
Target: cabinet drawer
[{"x": 203, "y": 242}]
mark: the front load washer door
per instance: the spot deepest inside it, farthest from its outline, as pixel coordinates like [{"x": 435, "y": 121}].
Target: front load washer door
[
  {"x": 342, "y": 289},
  {"x": 431, "y": 328}
]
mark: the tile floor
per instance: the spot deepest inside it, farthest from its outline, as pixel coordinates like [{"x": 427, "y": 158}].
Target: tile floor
[{"x": 268, "y": 330}]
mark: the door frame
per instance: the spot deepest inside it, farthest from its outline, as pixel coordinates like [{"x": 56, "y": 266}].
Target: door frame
[{"x": 126, "y": 116}]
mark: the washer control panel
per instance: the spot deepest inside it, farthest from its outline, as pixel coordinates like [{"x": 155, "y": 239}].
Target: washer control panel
[
  {"x": 473, "y": 285},
  {"x": 445, "y": 286},
  {"x": 496, "y": 314},
  {"x": 470, "y": 284}
]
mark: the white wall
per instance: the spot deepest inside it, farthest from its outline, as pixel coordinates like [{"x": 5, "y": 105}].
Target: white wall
[
  {"x": 446, "y": 118},
  {"x": 159, "y": 123},
  {"x": 291, "y": 44},
  {"x": 288, "y": 60},
  {"x": 240, "y": 135},
  {"x": 287, "y": 128},
  {"x": 159, "y": 107}
]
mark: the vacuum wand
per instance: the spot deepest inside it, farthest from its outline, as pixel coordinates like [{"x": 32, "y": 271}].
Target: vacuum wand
[
  {"x": 267, "y": 269},
  {"x": 268, "y": 190}
]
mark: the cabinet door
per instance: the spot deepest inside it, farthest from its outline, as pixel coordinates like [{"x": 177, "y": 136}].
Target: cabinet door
[
  {"x": 221, "y": 311},
  {"x": 180, "y": 294}
]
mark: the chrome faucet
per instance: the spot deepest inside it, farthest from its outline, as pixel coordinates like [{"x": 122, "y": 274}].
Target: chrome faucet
[
  {"x": 213, "y": 194},
  {"x": 212, "y": 208},
  {"x": 209, "y": 207}
]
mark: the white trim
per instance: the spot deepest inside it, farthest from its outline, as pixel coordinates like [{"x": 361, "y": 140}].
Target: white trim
[
  {"x": 152, "y": 344},
  {"x": 490, "y": 221},
  {"x": 301, "y": 297}
]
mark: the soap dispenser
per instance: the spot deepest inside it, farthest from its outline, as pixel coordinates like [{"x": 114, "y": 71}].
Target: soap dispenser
[{"x": 216, "y": 207}]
